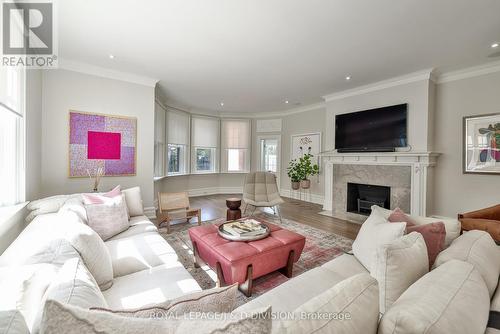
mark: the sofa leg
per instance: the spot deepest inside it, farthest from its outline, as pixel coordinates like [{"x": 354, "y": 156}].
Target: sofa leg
[
  {"x": 196, "y": 256},
  {"x": 287, "y": 271},
  {"x": 247, "y": 286}
]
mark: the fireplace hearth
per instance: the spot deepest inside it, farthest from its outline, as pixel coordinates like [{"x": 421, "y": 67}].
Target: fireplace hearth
[{"x": 361, "y": 197}]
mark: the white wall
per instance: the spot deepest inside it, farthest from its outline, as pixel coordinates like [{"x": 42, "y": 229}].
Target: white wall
[
  {"x": 418, "y": 95},
  {"x": 456, "y": 192},
  {"x": 67, "y": 90}
]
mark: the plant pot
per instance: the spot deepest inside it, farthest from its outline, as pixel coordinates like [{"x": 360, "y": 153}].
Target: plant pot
[
  {"x": 295, "y": 185},
  {"x": 305, "y": 184}
]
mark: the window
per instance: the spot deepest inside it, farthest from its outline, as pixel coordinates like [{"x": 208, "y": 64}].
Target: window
[
  {"x": 178, "y": 142},
  {"x": 11, "y": 135},
  {"x": 235, "y": 146},
  {"x": 160, "y": 126},
  {"x": 205, "y": 140}
]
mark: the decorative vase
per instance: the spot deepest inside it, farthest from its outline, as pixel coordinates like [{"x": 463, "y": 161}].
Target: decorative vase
[
  {"x": 305, "y": 184},
  {"x": 295, "y": 185}
]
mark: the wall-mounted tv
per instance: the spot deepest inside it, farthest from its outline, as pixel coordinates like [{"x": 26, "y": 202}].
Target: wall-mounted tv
[{"x": 375, "y": 130}]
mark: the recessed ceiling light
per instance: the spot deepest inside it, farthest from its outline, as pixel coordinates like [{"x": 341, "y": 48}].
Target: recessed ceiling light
[
  {"x": 348, "y": 77},
  {"x": 494, "y": 45},
  {"x": 286, "y": 101},
  {"x": 222, "y": 104},
  {"x": 111, "y": 57}
]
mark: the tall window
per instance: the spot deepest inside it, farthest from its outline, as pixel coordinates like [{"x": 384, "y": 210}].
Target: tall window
[
  {"x": 205, "y": 140},
  {"x": 160, "y": 138},
  {"x": 235, "y": 146},
  {"x": 178, "y": 142},
  {"x": 12, "y": 93}
]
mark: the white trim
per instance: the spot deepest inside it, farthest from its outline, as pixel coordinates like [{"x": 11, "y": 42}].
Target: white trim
[
  {"x": 214, "y": 191},
  {"x": 305, "y": 196},
  {"x": 393, "y": 82},
  {"x": 279, "y": 113},
  {"x": 106, "y": 73},
  {"x": 469, "y": 72}
]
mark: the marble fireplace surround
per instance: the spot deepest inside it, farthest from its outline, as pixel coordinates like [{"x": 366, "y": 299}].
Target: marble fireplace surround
[{"x": 407, "y": 173}]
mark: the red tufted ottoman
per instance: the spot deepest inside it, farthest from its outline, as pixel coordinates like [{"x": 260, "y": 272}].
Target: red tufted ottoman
[{"x": 244, "y": 261}]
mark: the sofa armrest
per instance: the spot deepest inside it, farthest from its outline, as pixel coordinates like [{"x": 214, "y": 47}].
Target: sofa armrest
[
  {"x": 492, "y": 213},
  {"x": 488, "y": 225}
]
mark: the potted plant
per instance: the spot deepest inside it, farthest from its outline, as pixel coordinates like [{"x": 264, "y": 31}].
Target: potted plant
[
  {"x": 294, "y": 172},
  {"x": 307, "y": 169}
]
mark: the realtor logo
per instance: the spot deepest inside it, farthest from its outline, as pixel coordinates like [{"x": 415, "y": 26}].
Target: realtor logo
[{"x": 28, "y": 34}]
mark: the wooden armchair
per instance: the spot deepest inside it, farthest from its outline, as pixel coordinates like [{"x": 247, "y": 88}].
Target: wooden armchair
[
  {"x": 486, "y": 220},
  {"x": 173, "y": 206}
]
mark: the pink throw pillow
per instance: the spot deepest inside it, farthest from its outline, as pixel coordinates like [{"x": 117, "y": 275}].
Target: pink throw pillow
[
  {"x": 101, "y": 198},
  {"x": 398, "y": 216},
  {"x": 434, "y": 235}
]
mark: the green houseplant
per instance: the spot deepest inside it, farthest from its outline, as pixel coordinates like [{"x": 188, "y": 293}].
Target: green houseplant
[
  {"x": 294, "y": 172},
  {"x": 308, "y": 169}
]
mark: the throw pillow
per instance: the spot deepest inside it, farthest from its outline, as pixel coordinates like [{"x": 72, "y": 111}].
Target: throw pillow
[
  {"x": 220, "y": 300},
  {"x": 479, "y": 249},
  {"x": 12, "y": 322},
  {"x": 374, "y": 232},
  {"x": 108, "y": 219},
  {"x": 398, "y": 265},
  {"x": 354, "y": 301},
  {"x": 67, "y": 319},
  {"x": 450, "y": 299},
  {"x": 133, "y": 199},
  {"x": 101, "y": 198}
]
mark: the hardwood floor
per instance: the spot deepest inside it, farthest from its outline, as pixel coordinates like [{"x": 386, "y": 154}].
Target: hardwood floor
[{"x": 214, "y": 206}]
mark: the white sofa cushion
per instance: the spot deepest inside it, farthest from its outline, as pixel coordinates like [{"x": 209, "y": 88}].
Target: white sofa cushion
[
  {"x": 150, "y": 286},
  {"x": 139, "y": 252},
  {"x": 451, "y": 225},
  {"x": 479, "y": 249},
  {"x": 66, "y": 319},
  {"x": 109, "y": 218},
  {"x": 46, "y": 205},
  {"x": 295, "y": 292},
  {"x": 375, "y": 231},
  {"x": 22, "y": 289},
  {"x": 12, "y": 322},
  {"x": 450, "y": 299},
  {"x": 138, "y": 225},
  {"x": 75, "y": 205},
  {"x": 133, "y": 198},
  {"x": 345, "y": 265},
  {"x": 398, "y": 265},
  {"x": 354, "y": 301}
]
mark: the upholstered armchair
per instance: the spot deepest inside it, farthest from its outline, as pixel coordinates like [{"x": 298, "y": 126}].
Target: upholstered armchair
[
  {"x": 260, "y": 190},
  {"x": 486, "y": 220}
]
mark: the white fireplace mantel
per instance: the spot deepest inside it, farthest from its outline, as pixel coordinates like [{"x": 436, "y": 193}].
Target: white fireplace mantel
[{"x": 420, "y": 162}]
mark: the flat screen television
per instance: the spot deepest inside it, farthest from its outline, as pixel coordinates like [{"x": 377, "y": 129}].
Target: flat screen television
[{"x": 375, "y": 130}]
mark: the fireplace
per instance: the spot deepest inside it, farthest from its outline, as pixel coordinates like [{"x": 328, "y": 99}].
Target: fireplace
[{"x": 360, "y": 197}]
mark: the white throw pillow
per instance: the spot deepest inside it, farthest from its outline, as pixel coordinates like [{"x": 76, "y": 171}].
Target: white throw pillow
[
  {"x": 375, "y": 231},
  {"x": 398, "y": 265},
  {"x": 12, "y": 322},
  {"x": 133, "y": 199},
  {"x": 109, "y": 218},
  {"x": 354, "y": 301},
  {"x": 479, "y": 249},
  {"x": 450, "y": 299}
]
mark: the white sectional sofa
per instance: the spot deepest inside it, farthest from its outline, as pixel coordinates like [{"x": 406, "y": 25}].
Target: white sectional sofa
[{"x": 145, "y": 268}]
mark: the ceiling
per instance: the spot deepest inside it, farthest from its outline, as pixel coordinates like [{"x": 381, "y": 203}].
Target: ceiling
[{"x": 255, "y": 54}]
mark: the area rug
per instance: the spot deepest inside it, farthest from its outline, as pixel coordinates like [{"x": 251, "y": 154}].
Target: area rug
[{"x": 320, "y": 247}]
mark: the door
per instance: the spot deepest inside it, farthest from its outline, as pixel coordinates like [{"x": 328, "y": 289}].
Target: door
[{"x": 270, "y": 155}]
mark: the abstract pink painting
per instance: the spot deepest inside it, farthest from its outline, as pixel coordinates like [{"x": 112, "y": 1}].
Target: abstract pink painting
[{"x": 106, "y": 141}]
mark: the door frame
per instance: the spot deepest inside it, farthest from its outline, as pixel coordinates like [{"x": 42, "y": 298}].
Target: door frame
[{"x": 278, "y": 163}]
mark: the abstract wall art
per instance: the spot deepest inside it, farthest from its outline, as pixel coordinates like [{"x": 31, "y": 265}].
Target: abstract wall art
[
  {"x": 482, "y": 144},
  {"x": 102, "y": 141}
]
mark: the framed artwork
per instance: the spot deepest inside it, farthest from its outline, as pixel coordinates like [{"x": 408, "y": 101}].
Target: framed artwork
[
  {"x": 481, "y": 144},
  {"x": 306, "y": 143},
  {"x": 102, "y": 141}
]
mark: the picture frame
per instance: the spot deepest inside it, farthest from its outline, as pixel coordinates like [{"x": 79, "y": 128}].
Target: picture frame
[
  {"x": 481, "y": 144},
  {"x": 306, "y": 143}
]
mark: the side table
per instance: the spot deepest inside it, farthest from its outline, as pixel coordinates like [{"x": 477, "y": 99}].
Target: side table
[{"x": 233, "y": 209}]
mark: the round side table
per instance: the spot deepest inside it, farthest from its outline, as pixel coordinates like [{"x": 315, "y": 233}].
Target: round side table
[{"x": 233, "y": 208}]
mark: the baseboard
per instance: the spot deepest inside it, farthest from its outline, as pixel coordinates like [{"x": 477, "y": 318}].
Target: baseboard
[{"x": 304, "y": 196}]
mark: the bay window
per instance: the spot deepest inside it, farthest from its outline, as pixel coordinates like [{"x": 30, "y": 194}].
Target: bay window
[
  {"x": 235, "y": 146},
  {"x": 12, "y": 93},
  {"x": 205, "y": 142},
  {"x": 178, "y": 142}
]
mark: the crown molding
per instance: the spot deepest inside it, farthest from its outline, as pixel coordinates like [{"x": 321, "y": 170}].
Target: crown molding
[
  {"x": 103, "y": 72},
  {"x": 279, "y": 113},
  {"x": 376, "y": 86},
  {"x": 469, "y": 72}
]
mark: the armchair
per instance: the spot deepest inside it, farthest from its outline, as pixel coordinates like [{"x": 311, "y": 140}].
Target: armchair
[{"x": 486, "y": 220}]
